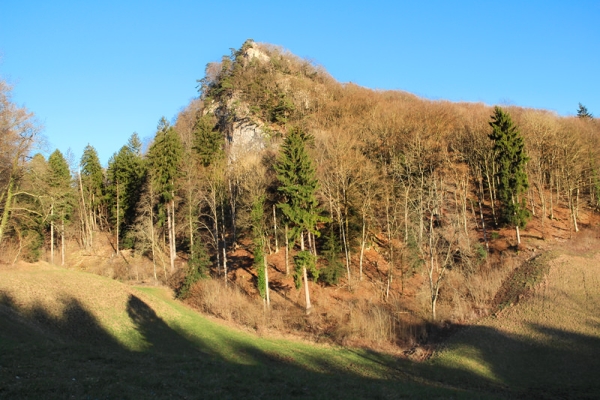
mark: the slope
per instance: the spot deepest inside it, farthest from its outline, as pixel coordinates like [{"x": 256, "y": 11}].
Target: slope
[
  {"x": 547, "y": 345},
  {"x": 72, "y": 334}
]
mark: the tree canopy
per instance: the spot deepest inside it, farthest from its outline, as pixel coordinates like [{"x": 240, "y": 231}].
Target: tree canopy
[{"x": 511, "y": 159}]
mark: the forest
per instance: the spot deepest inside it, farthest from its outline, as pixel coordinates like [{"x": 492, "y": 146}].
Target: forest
[{"x": 282, "y": 199}]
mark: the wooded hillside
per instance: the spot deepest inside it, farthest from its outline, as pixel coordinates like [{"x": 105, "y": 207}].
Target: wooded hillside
[{"x": 390, "y": 208}]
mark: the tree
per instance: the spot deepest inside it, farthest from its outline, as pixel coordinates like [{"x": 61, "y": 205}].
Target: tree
[
  {"x": 511, "y": 160},
  {"x": 208, "y": 147},
  {"x": 582, "y": 112},
  {"x": 197, "y": 269},
  {"x": 258, "y": 235},
  {"x": 31, "y": 208},
  {"x": 126, "y": 175},
  {"x": 59, "y": 181},
  {"x": 165, "y": 156},
  {"x": 91, "y": 185},
  {"x": 298, "y": 185},
  {"x": 18, "y": 133},
  {"x": 208, "y": 142}
]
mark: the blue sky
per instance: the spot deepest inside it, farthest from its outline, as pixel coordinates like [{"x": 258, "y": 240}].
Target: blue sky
[{"x": 97, "y": 71}]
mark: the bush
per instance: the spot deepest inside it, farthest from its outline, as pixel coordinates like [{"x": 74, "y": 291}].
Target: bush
[
  {"x": 197, "y": 269},
  {"x": 332, "y": 273}
]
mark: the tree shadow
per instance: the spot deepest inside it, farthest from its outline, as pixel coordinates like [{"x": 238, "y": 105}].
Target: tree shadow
[{"x": 71, "y": 354}]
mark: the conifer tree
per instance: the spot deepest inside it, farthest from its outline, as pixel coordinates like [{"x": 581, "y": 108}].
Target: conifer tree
[
  {"x": 298, "y": 185},
  {"x": 208, "y": 142},
  {"x": 165, "y": 156},
  {"x": 258, "y": 233},
  {"x": 197, "y": 269},
  {"x": 92, "y": 188},
  {"x": 126, "y": 174},
  {"x": 582, "y": 112},
  {"x": 511, "y": 159},
  {"x": 59, "y": 181}
]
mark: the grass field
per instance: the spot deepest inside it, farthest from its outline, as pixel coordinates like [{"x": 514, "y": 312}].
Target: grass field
[{"x": 67, "y": 334}]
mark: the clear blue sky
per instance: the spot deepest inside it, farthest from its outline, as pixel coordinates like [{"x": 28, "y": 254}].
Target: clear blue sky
[{"x": 96, "y": 71}]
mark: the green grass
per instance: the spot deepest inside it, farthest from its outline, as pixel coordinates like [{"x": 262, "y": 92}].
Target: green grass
[
  {"x": 547, "y": 345},
  {"x": 77, "y": 335},
  {"x": 120, "y": 342}
]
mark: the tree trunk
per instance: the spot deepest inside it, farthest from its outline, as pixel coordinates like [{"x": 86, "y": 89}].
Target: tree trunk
[
  {"x": 572, "y": 210},
  {"x": 173, "y": 244},
  {"x": 52, "y": 234},
  {"x": 170, "y": 234},
  {"x": 551, "y": 201},
  {"x": 6, "y": 211},
  {"x": 190, "y": 220},
  {"x": 118, "y": 218},
  {"x": 487, "y": 245},
  {"x": 275, "y": 230},
  {"x": 363, "y": 240},
  {"x": 84, "y": 217},
  {"x": 224, "y": 243},
  {"x": 62, "y": 242},
  {"x": 346, "y": 251},
  {"x": 540, "y": 189},
  {"x": 287, "y": 252},
  {"x": 151, "y": 227},
  {"x": 517, "y": 225},
  {"x": 406, "y": 194},
  {"x": 267, "y": 281},
  {"x": 391, "y": 249},
  {"x": 233, "y": 204},
  {"x": 305, "y": 276}
]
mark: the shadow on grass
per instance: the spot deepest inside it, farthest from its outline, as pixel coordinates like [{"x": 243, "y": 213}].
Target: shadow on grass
[
  {"x": 72, "y": 355},
  {"x": 558, "y": 364}
]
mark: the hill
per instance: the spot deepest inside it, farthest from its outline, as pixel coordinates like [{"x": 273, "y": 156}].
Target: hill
[{"x": 377, "y": 218}]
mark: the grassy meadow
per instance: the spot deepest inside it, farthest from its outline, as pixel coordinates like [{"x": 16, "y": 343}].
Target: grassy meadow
[{"x": 68, "y": 334}]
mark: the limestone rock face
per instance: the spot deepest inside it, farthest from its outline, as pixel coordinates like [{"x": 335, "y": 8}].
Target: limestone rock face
[
  {"x": 245, "y": 135},
  {"x": 255, "y": 52},
  {"x": 247, "y": 138}
]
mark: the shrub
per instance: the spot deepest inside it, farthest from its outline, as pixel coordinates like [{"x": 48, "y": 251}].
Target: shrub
[{"x": 197, "y": 269}]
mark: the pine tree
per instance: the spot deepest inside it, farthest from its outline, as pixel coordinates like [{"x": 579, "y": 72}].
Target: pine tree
[
  {"x": 582, "y": 112},
  {"x": 511, "y": 159},
  {"x": 197, "y": 269},
  {"x": 59, "y": 181},
  {"x": 258, "y": 235},
  {"x": 165, "y": 156},
  {"x": 126, "y": 175},
  {"x": 92, "y": 190},
  {"x": 298, "y": 185},
  {"x": 331, "y": 252},
  {"x": 208, "y": 142}
]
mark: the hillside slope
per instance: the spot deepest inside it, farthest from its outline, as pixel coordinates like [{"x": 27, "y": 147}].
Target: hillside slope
[
  {"x": 82, "y": 336},
  {"x": 547, "y": 345},
  {"x": 66, "y": 332}
]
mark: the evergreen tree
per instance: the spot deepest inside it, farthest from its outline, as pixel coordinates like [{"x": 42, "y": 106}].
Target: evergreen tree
[
  {"x": 582, "y": 112},
  {"x": 332, "y": 249},
  {"x": 197, "y": 269},
  {"x": 59, "y": 181},
  {"x": 298, "y": 185},
  {"x": 126, "y": 175},
  {"x": 511, "y": 159},
  {"x": 258, "y": 236},
  {"x": 165, "y": 156},
  {"x": 208, "y": 141},
  {"x": 92, "y": 182}
]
